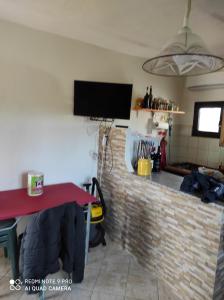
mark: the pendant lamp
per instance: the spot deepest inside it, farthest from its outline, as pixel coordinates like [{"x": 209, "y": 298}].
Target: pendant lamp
[{"x": 185, "y": 55}]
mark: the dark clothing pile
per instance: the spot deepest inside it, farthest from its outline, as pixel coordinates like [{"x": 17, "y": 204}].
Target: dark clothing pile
[
  {"x": 52, "y": 234},
  {"x": 210, "y": 189}
]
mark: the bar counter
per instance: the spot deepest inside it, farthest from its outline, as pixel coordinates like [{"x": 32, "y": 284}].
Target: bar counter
[{"x": 170, "y": 232}]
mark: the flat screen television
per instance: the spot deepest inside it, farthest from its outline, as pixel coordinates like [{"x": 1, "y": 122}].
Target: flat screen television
[{"x": 102, "y": 99}]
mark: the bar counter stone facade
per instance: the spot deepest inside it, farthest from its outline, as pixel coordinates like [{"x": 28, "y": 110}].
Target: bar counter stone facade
[{"x": 169, "y": 232}]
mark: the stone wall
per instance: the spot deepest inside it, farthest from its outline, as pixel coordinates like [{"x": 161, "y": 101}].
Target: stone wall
[
  {"x": 172, "y": 233},
  {"x": 219, "y": 282}
]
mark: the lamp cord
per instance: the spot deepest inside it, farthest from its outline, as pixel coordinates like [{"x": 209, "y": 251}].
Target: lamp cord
[{"x": 187, "y": 14}]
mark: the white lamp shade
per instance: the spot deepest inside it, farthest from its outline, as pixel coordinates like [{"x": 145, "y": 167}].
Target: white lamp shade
[{"x": 185, "y": 55}]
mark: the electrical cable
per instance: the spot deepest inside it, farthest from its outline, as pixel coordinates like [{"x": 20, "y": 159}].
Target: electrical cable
[
  {"x": 187, "y": 14},
  {"x": 104, "y": 154},
  {"x": 112, "y": 158},
  {"x": 111, "y": 151},
  {"x": 101, "y": 162},
  {"x": 108, "y": 142},
  {"x": 103, "y": 143}
]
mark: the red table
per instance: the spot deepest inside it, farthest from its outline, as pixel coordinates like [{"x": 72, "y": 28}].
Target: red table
[{"x": 16, "y": 203}]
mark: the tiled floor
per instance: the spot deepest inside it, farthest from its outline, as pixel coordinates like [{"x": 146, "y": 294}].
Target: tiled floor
[{"x": 111, "y": 274}]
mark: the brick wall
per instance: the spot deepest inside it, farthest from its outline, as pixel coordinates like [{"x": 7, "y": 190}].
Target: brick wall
[{"x": 172, "y": 233}]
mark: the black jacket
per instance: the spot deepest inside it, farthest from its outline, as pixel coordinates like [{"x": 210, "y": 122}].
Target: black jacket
[
  {"x": 207, "y": 187},
  {"x": 52, "y": 234}
]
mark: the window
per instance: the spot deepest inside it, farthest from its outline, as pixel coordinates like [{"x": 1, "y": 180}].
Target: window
[{"x": 207, "y": 119}]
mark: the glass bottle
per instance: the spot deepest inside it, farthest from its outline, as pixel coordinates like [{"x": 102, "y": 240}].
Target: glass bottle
[
  {"x": 157, "y": 159},
  {"x": 149, "y": 104},
  {"x": 146, "y": 99}
]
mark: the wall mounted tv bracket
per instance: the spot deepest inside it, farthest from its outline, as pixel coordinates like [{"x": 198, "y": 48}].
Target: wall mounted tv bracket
[{"x": 101, "y": 119}]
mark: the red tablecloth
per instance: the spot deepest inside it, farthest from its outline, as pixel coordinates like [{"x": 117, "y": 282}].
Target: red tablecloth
[{"x": 15, "y": 203}]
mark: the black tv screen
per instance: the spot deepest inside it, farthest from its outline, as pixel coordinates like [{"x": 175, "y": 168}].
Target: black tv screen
[{"x": 102, "y": 99}]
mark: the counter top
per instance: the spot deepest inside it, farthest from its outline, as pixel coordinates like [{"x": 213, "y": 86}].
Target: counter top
[
  {"x": 173, "y": 182},
  {"x": 168, "y": 179},
  {"x": 164, "y": 178}
]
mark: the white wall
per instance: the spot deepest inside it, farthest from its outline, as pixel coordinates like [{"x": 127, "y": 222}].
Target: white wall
[{"x": 37, "y": 126}]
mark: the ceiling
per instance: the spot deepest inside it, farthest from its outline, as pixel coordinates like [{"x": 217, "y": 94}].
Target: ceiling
[{"x": 136, "y": 27}]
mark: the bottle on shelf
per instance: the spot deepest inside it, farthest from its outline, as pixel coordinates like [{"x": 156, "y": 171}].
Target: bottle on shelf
[
  {"x": 153, "y": 104},
  {"x": 157, "y": 160},
  {"x": 146, "y": 99},
  {"x": 150, "y": 99},
  {"x": 158, "y": 104},
  {"x": 152, "y": 159}
]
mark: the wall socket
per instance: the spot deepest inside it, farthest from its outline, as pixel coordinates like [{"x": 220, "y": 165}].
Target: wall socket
[{"x": 93, "y": 155}]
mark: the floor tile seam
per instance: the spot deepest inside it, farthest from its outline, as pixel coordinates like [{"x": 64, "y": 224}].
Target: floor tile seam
[
  {"x": 129, "y": 266},
  {"x": 157, "y": 286},
  {"x": 157, "y": 283},
  {"x": 98, "y": 274},
  {"x": 5, "y": 275},
  {"x": 99, "y": 290}
]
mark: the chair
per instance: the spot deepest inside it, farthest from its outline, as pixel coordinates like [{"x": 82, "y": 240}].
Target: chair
[{"x": 8, "y": 240}]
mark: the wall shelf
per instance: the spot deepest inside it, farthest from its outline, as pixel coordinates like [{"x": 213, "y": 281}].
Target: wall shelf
[{"x": 178, "y": 112}]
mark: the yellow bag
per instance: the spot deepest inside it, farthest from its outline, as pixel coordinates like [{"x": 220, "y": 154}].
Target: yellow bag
[{"x": 144, "y": 167}]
